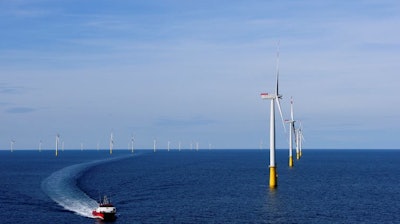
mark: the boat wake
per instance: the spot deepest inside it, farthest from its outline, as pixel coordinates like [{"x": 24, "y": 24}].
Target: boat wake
[{"x": 61, "y": 187}]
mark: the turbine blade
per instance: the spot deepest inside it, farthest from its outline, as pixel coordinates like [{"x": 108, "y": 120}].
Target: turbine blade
[
  {"x": 277, "y": 71},
  {"x": 280, "y": 112},
  {"x": 291, "y": 109},
  {"x": 277, "y": 83},
  {"x": 301, "y": 131},
  {"x": 302, "y": 136}
]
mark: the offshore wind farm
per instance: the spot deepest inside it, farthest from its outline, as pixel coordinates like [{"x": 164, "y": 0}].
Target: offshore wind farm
[
  {"x": 155, "y": 107},
  {"x": 219, "y": 185}
]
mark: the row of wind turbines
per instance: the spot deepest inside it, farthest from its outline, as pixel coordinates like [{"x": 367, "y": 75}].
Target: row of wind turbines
[
  {"x": 59, "y": 145},
  {"x": 131, "y": 145},
  {"x": 295, "y": 134}
]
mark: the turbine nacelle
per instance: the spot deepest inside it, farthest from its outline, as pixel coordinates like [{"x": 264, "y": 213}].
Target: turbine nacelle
[
  {"x": 270, "y": 96},
  {"x": 289, "y": 121},
  {"x": 276, "y": 97}
]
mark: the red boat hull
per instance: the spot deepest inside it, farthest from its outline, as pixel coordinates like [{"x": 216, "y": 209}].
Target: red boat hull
[{"x": 104, "y": 216}]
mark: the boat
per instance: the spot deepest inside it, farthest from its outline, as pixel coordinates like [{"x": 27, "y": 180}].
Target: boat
[{"x": 106, "y": 211}]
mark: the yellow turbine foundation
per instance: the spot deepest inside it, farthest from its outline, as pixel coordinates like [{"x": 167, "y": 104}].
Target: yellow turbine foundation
[
  {"x": 290, "y": 161},
  {"x": 298, "y": 156},
  {"x": 272, "y": 177}
]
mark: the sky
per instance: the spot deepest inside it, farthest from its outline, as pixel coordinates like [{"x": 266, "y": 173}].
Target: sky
[{"x": 192, "y": 71}]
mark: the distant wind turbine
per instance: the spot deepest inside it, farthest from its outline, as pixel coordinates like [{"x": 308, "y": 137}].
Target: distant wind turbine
[
  {"x": 111, "y": 143},
  {"x": 12, "y": 142},
  {"x": 132, "y": 142},
  {"x": 291, "y": 132},
  {"x": 274, "y": 97},
  {"x": 297, "y": 134},
  {"x": 301, "y": 139},
  {"x": 154, "y": 144},
  {"x": 169, "y": 142},
  {"x": 57, "y": 143}
]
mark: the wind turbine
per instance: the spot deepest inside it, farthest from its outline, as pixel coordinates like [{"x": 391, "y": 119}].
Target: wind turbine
[
  {"x": 154, "y": 144},
  {"x": 274, "y": 97},
  {"x": 291, "y": 131},
  {"x": 12, "y": 142},
  {"x": 169, "y": 142},
  {"x": 132, "y": 141},
  {"x": 57, "y": 143},
  {"x": 111, "y": 143},
  {"x": 301, "y": 139}
]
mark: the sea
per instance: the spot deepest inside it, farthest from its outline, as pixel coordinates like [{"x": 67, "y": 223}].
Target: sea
[{"x": 205, "y": 186}]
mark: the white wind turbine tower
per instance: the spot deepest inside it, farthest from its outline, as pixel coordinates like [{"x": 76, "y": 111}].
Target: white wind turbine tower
[
  {"x": 57, "y": 143},
  {"x": 301, "y": 139},
  {"x": 111, "y": 143},
  {"x": 297, "y": 135},
  {"x": 154, "y": 145},
  {"x": 274, "y": 97},
  {"x": 169, "y": 143},
  {"x": 291, "y": 132}
]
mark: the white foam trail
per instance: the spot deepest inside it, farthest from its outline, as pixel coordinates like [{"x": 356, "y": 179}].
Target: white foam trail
[{"x": 61, "y": 186}]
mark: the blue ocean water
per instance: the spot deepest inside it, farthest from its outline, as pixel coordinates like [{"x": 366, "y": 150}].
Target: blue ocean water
[{"x": 206, "y": 186}]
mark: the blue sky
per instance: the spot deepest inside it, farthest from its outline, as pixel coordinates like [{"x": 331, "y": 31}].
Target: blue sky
[{"x": 192, "y": 71}]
